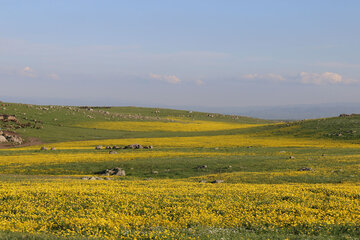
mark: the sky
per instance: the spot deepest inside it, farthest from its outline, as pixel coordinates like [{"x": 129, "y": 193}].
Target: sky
[{"x": 179, "y": 52}]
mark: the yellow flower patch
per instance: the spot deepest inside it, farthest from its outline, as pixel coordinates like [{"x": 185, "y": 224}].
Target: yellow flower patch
[
  {"x": 178, "y": 126},
  {"x": 140, "y": 209}
]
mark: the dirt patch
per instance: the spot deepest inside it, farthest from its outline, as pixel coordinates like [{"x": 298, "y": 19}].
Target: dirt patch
[{"x": 28, "y": 141}]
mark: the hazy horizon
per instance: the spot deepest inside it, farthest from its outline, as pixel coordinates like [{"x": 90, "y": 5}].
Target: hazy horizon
[{"x": 272, "y": 112}]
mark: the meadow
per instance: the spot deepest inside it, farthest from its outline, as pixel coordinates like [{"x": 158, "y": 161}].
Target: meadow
[{"x": 167, "y": 193}]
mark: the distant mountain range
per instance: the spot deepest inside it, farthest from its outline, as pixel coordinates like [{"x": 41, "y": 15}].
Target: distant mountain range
[{"x": 287, "y": 112}]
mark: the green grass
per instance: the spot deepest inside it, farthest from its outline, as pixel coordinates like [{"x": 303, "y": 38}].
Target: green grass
[
  {"x": 56, "y": 123},
  {"x": 219, "y": 233},
  {"x": 335, "y": 128},
  {"x": 248, "y": 165},
  {"x": 252, "y": 164}
]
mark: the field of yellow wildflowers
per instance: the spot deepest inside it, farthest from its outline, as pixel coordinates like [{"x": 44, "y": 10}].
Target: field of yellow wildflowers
[
  {"x": 277, "y": 180},
  {"x": 163, "y": 208}
]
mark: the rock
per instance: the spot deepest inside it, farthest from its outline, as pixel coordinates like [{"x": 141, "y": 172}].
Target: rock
[
  {"x": 107, "y": 178},
  {"x": 305, "y": 169},
  {"x": 134, "y": 146},
  {"x": 150, "y": 147},
  {"x": 113, "y": 152},
  {"x": 119, "y": 172},
  {"x": 114, "y": 171},
  {"x": 3, "y": 139},
  {"x": 14, "y": 139},
  {"x": 108, "y": 147},
  {"x": 98, "y": 147},
  {"x": 155, "y": 172},
  {"x": 201, "y": 167},
  {"x": 116, "y": 147},
  {"x": 53, "y": 149},
  {"x": 202, "y": 181},
  {"x": 43, "y": 149},
  {"x": 217, "y": 181},
  {"x": 291, "y": 157},
  {"x": 92, "y": 178}
]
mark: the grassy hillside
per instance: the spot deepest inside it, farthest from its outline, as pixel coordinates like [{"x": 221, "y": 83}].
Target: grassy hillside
[
  {"x": 342, "y": 128},
  {"x": 238, "y": 149},
  {"x": 276, "y": 180},
  {"x": 60, "y": 123}
]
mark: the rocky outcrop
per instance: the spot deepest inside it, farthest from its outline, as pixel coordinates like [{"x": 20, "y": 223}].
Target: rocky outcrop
[
  {"x": 3, "y": 139},
  {"x": 114, "y": 171},
  {"x": 13, "y": 138},
  {"x": 134, "y": 146}
]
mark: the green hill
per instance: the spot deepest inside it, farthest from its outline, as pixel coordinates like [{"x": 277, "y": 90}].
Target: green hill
[
  {"x": 341, "y": 128},
  {"x": 57, "y": 123}
]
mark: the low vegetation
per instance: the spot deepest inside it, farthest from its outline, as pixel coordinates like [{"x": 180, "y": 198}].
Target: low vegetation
[{"x": 207, "y": 176}]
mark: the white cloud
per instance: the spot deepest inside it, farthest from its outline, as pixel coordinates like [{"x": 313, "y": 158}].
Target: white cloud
[
  {"x": 322, "y": 78},
  {"x": 303, "y": 77},
  {"x": 28, "y": 72},
  {"x": 53, "y": 76},
  {"x": 166, "y": 78},
  {"x": 267, "y": 77}
]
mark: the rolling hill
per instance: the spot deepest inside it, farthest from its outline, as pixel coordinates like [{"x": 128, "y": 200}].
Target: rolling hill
[{"x": 194, "y": 172}]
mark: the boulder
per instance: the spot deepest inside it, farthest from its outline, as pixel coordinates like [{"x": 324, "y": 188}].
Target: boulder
[
  {"x": 53, "y": 149},
  {"x": 305, "y": 169},
  {"x": 113, "y": 152},
  {"x": 201, "y": 167},
  {"x": 98, "y": 147},
  {"x": 14, "y": 139},
  {"x": 217, "y": 181},
  {"x": 43, "y": 148},
  {"x": 114, "y": 171},
  {"x": 291, "y": 157},
  {"x": 134, "y": 146},
  {"x": 3, "y": 139},
  {"x": 108, "y": 147}
]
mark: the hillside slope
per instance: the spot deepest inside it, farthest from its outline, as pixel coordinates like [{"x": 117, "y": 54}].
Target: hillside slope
[
  {"x": 341, "y": 128},
  {"x": 63, "y": 123}
]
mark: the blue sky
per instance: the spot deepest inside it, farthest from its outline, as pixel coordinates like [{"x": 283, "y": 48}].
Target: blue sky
[{"x": 180, "y": 53}]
